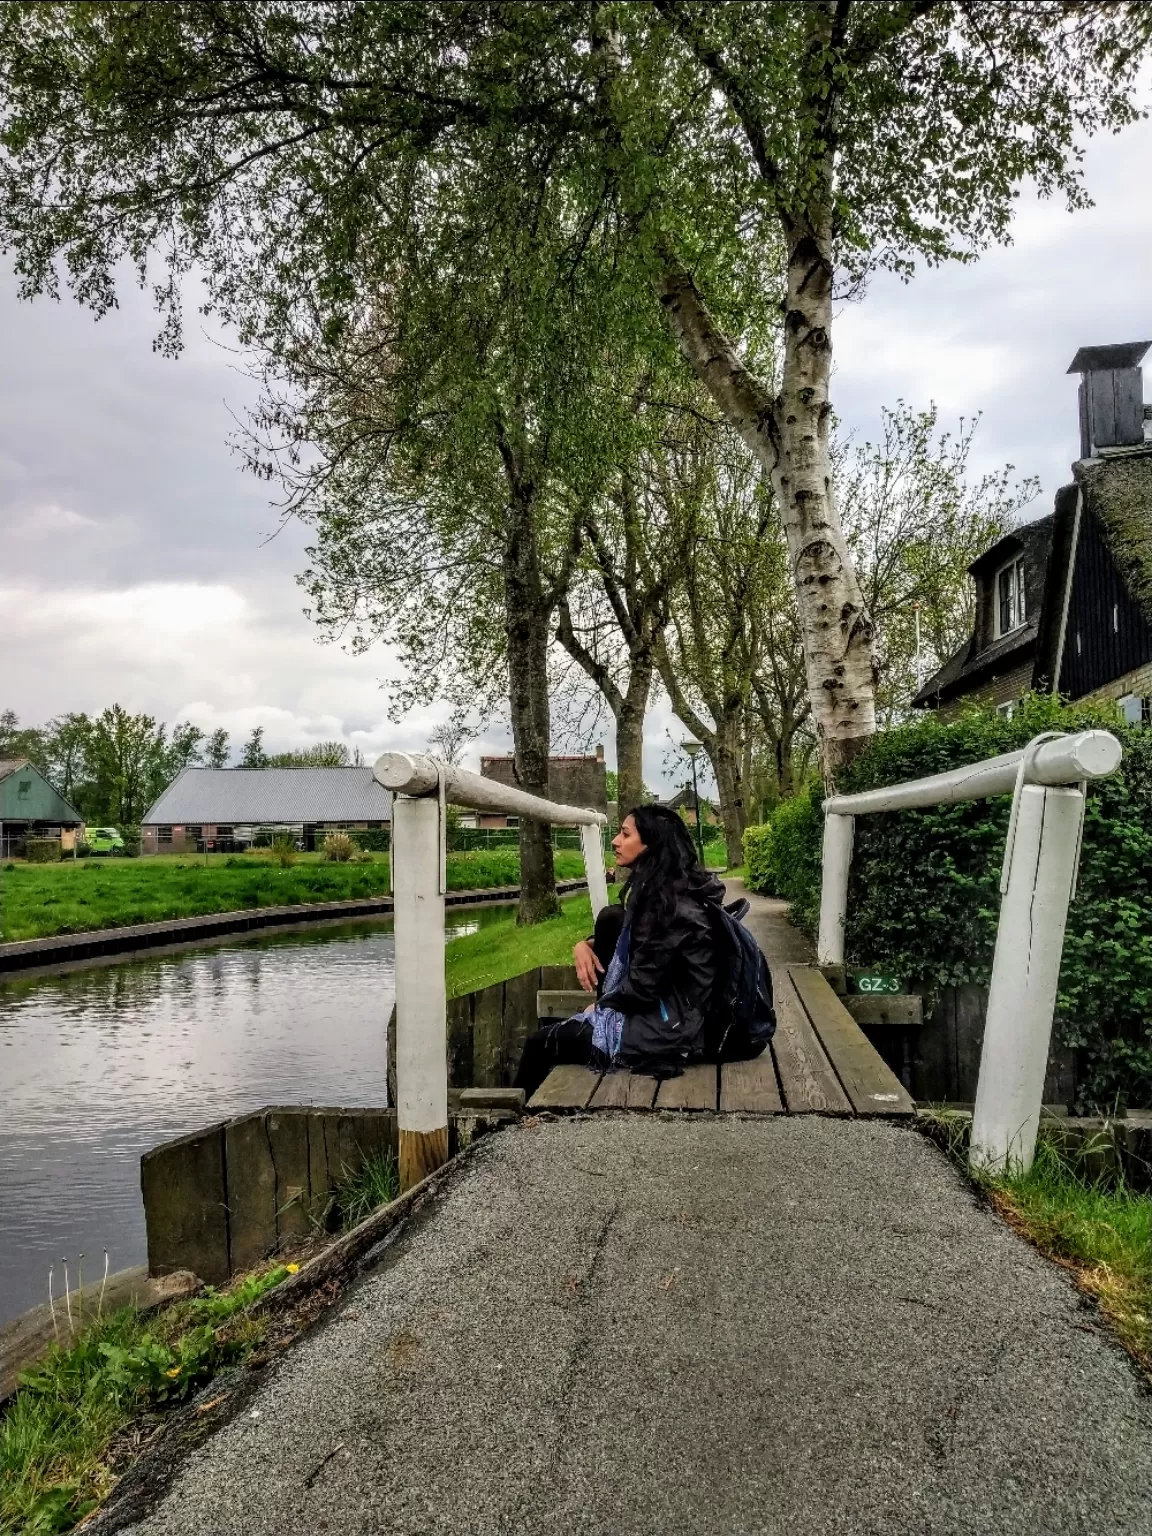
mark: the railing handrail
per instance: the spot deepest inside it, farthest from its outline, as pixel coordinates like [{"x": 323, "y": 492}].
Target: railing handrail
[
  {"x": 1066, "y": 760},
  {"x": 418, "y": 774}
]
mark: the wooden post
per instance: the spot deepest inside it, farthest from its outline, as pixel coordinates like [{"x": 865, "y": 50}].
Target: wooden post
[
  {"x": 421, "y": 1003},
  {"x": 591, "y": 841},
  {"x": 838, "y": 832},
  {"x": 1025, "y": 973}
]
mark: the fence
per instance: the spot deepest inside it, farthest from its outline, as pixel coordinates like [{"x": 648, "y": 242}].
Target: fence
[
  {"x": 423, "y": 788},
  {"x": 1047, "y": 781}
]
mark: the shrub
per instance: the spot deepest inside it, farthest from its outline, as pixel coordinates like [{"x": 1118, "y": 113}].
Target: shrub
[
  {"x": 375, "y": 839},
  {"x": 131, "y": 836},
  {"x": 284, "y": 852},
  {"x": 924, "y": 895},
  {"x": 758, "y": 857},
  {"x": 338, "y": 848},
  {"x": 42, "y": 850}
]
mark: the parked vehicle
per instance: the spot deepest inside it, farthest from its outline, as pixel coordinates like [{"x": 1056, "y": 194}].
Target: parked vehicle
[{"x": 103, "y": 840}]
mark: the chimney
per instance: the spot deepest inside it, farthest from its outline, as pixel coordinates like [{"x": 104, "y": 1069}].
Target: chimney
[
  {"x": 599, "y": 751},
  {"x": 1111, "y": 396}
]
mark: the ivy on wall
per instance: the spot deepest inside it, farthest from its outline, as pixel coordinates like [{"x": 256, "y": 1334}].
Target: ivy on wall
[{"x": 924, "y": 895}]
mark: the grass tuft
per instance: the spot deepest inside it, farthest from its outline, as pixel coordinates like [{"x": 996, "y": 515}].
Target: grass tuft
[{"x": 363, "y": 1190}]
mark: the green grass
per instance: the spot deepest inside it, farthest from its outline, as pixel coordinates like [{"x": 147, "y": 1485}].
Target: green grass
[
  {"x": 1099, "y": 1229},
  {"x": 1079, "y": 1210},
  {"x": 500, "y": 950},
  {"x": 376, "y": 1182},
  {"x": 37, "y": 900},
  {"x": 57, "y": 1432}
]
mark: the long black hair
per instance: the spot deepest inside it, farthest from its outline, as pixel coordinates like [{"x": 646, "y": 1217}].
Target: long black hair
[{"x": 666, "y": 866}]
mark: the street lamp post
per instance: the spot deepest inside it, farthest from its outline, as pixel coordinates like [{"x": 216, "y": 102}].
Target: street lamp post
[{"x": 692, "y": 747}]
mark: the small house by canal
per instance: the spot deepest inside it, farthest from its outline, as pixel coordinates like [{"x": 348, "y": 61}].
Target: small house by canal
[
  {"x": 31, "y": 808},
  {"x": 225, "y": 810}
]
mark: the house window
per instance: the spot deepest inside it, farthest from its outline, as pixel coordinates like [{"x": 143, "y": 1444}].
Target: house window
[
  {"x": 224, "y": 832},
  {"x": 24, "y": 789},
  {"x": 1010, "y": 613},
  {"x": 1135, "y": 710},
  {"x": 1008, "y": 709},
  {"x": 163, "y": 834},
  {"x": 193, "y": 834},
  {"x": 512, "y": 821}
]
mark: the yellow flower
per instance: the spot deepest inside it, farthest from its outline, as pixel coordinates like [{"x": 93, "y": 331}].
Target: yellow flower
[
  {"x": 175, "y": 1371},
  {"x": 293, "y": 1269}
]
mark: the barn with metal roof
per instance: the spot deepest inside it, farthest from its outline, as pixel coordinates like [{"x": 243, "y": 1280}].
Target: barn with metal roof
[{"x": 223, "y": 809}]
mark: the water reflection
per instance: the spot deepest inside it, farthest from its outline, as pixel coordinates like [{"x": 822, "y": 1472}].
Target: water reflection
[{"x": 100, "y": 1065}]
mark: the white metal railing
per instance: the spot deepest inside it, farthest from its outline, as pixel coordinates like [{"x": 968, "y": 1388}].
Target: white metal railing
[
  {"x": 1047, "y": 779},
  {"x": 422, "y": 787}
]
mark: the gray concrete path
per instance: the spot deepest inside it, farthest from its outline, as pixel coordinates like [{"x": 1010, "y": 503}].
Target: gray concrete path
[{"x": 644, "y": 1324}]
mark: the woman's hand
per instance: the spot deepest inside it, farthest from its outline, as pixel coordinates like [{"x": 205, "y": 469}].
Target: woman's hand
[{"x": 587, "y": 965}]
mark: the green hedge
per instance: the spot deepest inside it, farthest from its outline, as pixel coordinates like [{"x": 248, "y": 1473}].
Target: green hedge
[
  {"x": 42, "y": 850},
  {"x": 783, "y": 856},
  {"x": 924, "y": 896}
]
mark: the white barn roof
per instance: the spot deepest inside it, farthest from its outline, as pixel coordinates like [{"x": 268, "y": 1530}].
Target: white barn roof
[{"x": 239, "y": 796}]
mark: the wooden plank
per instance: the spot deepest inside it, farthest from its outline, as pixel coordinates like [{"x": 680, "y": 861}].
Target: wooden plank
[
  {"x": 565, "y": 1088},
  {"x": 624, "y": 1090},
  {"x": 807, "y": 1081},
  {"x": 871, "y": 1085},
  {"x": 562, "y": 1005},
  {"x": 896, "y": 1009},
  {"x": 695, "y": 1088},
  {"x": 750, "y": 1087}
]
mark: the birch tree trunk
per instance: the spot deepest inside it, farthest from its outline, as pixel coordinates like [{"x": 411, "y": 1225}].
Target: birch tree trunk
[{"x": 789, "y": 435}]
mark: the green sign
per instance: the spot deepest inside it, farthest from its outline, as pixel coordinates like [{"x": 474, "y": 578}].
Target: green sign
[{"x": 871, "y": 981}]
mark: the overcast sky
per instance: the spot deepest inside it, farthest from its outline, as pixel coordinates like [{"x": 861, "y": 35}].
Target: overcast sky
[{"x": 141, "y": 565}]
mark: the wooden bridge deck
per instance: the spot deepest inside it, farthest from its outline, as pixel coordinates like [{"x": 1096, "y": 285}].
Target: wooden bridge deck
[{"x": 819, "y": 1063}]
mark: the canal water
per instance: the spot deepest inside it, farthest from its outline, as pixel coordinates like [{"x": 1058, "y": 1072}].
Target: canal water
[{"x": 97, "y": 1066}]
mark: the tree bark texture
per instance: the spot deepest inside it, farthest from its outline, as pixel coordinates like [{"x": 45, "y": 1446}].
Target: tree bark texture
[
  {"x": 789, "y": 436},
  {"x": 529, "y": 612},
  {"x": 630, "y": 737}
]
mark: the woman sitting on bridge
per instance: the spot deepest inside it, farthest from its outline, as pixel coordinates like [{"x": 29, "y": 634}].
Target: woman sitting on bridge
[{"x": 651, "y": 960}]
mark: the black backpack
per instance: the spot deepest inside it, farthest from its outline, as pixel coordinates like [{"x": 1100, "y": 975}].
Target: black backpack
[{"x": 742, "y": 1019}]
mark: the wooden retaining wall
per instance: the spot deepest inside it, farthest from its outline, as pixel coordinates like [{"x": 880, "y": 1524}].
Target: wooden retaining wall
[
  {"x": 945, "y": 1056},
  {"x": 487, "y": 1029}
]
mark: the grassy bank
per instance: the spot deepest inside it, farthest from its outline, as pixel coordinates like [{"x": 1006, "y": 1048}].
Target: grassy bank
[
  {"x": 65, "y": 1436},
  {"x": 38, "y": 900},
  {"x": 501, "y": 950},
  {"x": 84, "y": 1412},
  {"x": 1098, "y": 1228}
]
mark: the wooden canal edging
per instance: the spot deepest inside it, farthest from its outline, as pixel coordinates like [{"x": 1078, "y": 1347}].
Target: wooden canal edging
[{"x": 819, "y": 1063}]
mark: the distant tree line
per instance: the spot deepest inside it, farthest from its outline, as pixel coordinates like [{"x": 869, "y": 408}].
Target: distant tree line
[{"x": 113, "y": 765}]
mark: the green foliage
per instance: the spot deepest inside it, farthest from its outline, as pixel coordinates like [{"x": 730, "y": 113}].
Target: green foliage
[
  {"x": 42, "y": 850},
  {"x": 784, "y": 854},
  {"x": 338, "y": 848},
  {"x": 362, "y": 1190},
  {"x": 758, "y": 856},
  {"x": 284, "y": 851},
  {"x": 55, "y": 1433},
  {"x": 377, "y": 839},
  {"x": 924, "y": 895}
]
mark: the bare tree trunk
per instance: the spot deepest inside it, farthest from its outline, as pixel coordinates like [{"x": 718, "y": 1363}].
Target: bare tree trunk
[
  {"x": 789, "y": 437},
  {"x": 528, "y": 611}
]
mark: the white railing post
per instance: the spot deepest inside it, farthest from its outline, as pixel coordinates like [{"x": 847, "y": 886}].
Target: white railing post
[
  {"x": 421, "y": 1004},
  {"x": 1025, "y": 974},
  {"x": 838, "y": 835},
  {"x": 591, "y": 841}
]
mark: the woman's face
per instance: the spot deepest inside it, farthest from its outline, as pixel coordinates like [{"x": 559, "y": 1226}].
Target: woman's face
[{"x": 627, "y": 844}]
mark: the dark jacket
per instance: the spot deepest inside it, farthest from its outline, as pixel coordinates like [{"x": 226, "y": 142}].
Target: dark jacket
[{"x": 671, "y": 970}]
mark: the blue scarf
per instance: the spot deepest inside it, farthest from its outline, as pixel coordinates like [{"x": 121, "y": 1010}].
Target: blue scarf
[{"x": 607, "y": 1023}]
